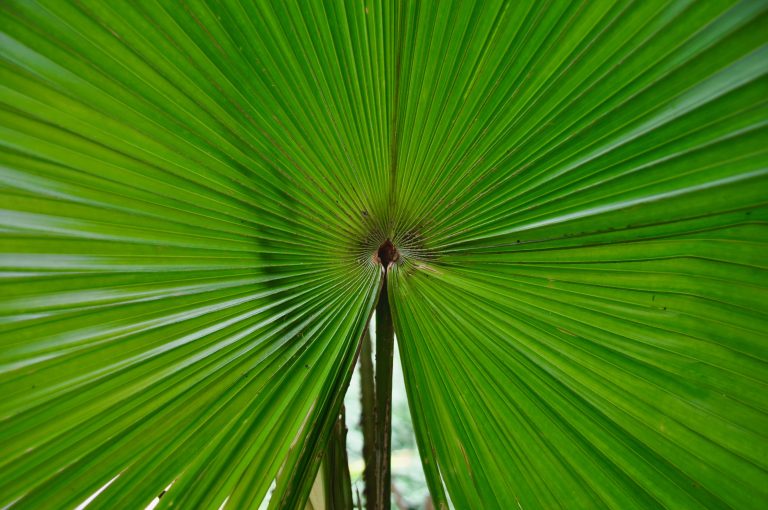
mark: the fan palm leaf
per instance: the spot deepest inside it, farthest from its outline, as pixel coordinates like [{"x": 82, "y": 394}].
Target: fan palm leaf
[{"x": 193, "y": 195}]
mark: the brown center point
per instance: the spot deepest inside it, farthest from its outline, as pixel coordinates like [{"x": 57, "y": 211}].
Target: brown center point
[{"x": 387, "y": 254}]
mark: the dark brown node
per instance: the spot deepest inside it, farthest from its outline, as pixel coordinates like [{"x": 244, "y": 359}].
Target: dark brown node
[{"x": 387, "y": 254}]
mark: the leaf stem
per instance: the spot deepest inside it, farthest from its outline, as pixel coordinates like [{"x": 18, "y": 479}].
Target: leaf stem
[
  {"x": 367, "y": 415},
  {"x": 338, "y": 486},
  {"x": 385, "y": 340}
]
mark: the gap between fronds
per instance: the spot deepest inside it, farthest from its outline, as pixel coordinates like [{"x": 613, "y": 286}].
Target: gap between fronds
[{"x": 376, "y": 413}]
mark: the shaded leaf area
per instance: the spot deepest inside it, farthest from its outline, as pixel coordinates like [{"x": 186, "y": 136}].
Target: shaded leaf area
[
  {"x": 183, "y": 292},
  {"x": 192, "y": 194},
  {"x": 592, "y": 333}
]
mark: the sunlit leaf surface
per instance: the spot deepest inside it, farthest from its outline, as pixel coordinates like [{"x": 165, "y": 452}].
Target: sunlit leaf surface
[{"x": 191, "y": 194}]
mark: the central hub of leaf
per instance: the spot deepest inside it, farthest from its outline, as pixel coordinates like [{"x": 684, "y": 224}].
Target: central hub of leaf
[{"x": 387, "y": 254}]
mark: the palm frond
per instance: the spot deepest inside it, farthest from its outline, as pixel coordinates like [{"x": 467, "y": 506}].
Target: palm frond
[{"x": 193, "y": 194}]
